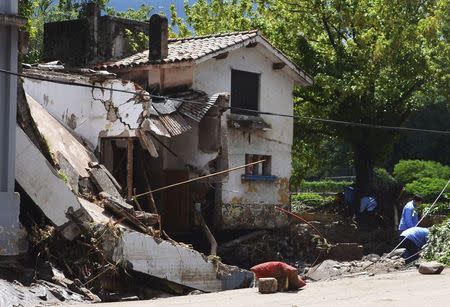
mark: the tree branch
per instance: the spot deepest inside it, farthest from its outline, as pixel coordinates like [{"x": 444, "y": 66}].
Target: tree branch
[{"x": 406, "y": 95}]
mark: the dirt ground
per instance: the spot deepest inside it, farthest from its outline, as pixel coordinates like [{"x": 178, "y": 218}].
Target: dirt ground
[{"x": 406, "y": 288}]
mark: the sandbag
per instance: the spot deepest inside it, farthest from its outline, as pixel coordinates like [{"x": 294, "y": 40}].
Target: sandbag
[{"x": 279, "y": 270}]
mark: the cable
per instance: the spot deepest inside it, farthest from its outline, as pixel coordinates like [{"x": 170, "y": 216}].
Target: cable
[
  {"x": 323, "y": 120},
  {"x": 424, "y": 215},
  {"x": 404, "y": 238}
]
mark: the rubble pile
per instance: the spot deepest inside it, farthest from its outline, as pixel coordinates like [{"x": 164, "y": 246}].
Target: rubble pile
[
  {"x": 300, "y": 246},
  {"x": 371, "y": 264},
  {"x": 296, "y": 245},
  {"x": 85, "y": 237}
]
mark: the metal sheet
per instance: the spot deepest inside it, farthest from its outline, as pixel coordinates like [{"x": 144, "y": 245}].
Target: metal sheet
[{"x": 175, "y": 124}]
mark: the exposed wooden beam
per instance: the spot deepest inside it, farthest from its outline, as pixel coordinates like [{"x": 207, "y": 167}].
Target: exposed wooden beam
[
  {"x": 278, "y": 65},
  {"x": 221, "y": 56},
  {"x": 130, "y": 151},
  {"x": 251, "y": 45}
]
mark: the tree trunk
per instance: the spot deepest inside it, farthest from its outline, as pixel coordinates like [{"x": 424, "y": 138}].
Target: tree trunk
[{"x": 364, "y": 164}]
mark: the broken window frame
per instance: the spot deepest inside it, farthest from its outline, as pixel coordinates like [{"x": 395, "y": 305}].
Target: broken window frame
[
  {"x": 258, "y": 172},
  {"x": 239, "y": 88}
]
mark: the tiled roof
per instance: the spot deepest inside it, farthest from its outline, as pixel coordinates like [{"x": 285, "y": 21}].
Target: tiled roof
[{"x": 185, "y": 49}]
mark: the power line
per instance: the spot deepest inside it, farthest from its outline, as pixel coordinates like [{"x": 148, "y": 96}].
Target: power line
[{"x": 317, "y": 119}]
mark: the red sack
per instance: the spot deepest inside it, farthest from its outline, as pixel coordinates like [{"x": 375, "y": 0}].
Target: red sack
[{"x": 279, "y": 270}]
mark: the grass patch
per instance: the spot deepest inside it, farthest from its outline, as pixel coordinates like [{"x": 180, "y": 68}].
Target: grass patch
[{"x": 301, "y": 201}]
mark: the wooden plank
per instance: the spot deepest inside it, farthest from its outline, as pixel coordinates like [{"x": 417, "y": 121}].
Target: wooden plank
[
  {"x": 114, "y": 181},
  {"x": 146, "y": 142},
  {"x": 130, "y": 150},
  {"x": 103, "y": 182}
]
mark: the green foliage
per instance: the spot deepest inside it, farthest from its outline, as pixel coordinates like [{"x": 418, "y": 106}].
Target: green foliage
[
  {"x": 300, "y": 200},
  {"x": 140, "y": 14},
  {"x": 383, "y": 178},
  {"x": 319, "y": 156},
  {"x": 178, "y": 25},
  {"x": 137, "y": 41},
  {"x": 372, "y": 61},
  {"x": 407, "y": 171},
  {"x": 428, "y": 188},
  {"x": 441, "y": 208},
  {"x": 62, "y": 176},
  {"x": 419, "y": 146},
  {"x": 39, "y": 12},
  {"x": 324, "y": 186},
  {"x": 438, "y": 246}
]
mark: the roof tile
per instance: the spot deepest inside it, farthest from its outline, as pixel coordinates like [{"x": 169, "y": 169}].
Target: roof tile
[{"x": 185, "y": 49}]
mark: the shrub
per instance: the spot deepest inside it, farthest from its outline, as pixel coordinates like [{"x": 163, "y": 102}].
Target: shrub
[
  {"x": 324, "y": 186},
  {"x": 383, "y": 180},
  {"x": 310, "y": 199},
  {"x": 428, "y": 188},
  {"x": 438, "y": 246},
  {"x": 407, "y": 171},
  {"x": 440, "y": 208}
]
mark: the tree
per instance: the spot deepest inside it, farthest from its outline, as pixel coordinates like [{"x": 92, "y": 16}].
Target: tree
[
  {"x": 373, "y": 61},
  {"x": 39, "y": 12}
]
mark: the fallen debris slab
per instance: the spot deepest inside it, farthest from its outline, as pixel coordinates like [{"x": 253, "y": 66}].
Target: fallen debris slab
[
  {"x": 132, "y": 242},
  {"x": 40, "y": 181},
  {"x": 178, "y": 264},
  {"x": 103, "y": 181}
]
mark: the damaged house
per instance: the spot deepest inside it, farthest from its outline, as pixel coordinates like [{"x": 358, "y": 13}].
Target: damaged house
[
  {"x": 258, "y": 78},
  {"x": 206, "y": 112}
]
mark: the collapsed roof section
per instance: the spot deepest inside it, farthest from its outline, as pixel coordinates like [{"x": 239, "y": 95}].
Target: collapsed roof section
[
  {"x": 176, "y": 115},
  {"x": 114, "y": 107},
  {"x": 74, "y": 210}
]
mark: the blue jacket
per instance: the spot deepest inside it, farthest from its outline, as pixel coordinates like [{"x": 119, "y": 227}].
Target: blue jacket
[
  {"x": 418, "y": 235},
  {"x": 409, "y": 218}
]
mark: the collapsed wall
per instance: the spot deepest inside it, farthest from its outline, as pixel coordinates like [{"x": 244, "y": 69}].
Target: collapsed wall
[{"x": 60, "y": 194}]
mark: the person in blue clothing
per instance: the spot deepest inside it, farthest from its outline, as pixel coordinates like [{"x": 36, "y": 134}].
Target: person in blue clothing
[
  {"x": 367, "y": 215},
  {"x": 413, "y": 239},
  {"x": 410, "y": 218}
]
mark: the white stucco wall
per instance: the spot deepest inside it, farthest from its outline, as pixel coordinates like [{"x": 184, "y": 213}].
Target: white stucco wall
[
  {"x": 276, "y": 88},
  {"x": 85, "y": 109},
  {"x": 187, "y": 145}
]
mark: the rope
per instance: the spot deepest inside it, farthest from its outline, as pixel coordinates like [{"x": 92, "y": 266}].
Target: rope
[{"x": 313, "y": 227}]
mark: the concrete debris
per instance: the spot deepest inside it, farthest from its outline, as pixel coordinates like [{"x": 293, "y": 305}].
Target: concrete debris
[
  {"x": 177, "y": 263},
  {"x": 331, "y": 269},
  {"x": 110, "y": 176},
  {"x": 432, "y": 267},
  {"x": 60, "y": 141},
  {"x": 103, "y": 182},
  {"x": 121, "y": 237},
  {"x": 267, "y": 285},
  {"x": 40, "y": 293},
  {"x": 42, "y": 183}
]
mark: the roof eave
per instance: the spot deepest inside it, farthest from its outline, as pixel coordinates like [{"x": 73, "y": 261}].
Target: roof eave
[{"x": 300, "y": 77}]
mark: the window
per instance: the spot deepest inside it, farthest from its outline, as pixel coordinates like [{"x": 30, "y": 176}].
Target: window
[
  {"x": 244, "y": 92},
  {"x": 260, "y": 171}
]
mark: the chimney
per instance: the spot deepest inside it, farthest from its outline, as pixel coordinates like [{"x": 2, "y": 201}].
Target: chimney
[{"x": 159, "y": 35}]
